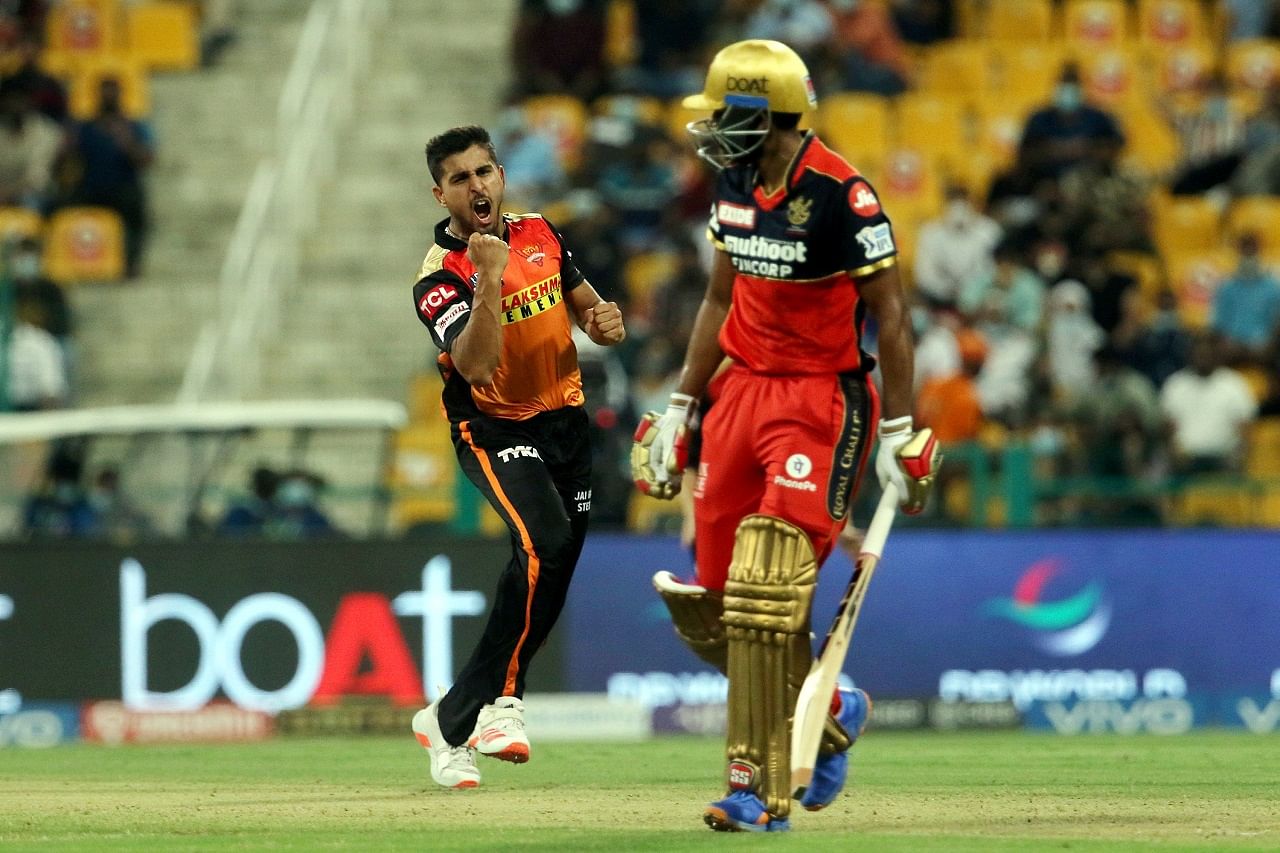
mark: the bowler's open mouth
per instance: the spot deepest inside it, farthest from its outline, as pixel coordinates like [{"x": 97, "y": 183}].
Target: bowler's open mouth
[{"x": 483, "y": 209}]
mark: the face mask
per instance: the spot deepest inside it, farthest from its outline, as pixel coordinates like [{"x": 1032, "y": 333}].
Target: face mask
[
  {"x": 295, "y": 493},
  {"x": 1216, "y": 107},
  {"x": 1250, "y": 267},
  {"x": 842, "y": 6},
  {"x": 560, "y": 8},
  {"x": 26, "y": 266},
  {"x": 958, "y": 211},
  {"x": 1068, "y": 97}
]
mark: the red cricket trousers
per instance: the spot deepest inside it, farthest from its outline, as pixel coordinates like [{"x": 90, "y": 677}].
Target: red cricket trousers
[{"x": 793, "y": 447}]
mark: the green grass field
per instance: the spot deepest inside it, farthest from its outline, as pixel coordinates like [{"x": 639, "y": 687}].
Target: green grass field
[{"x": 927, "y": 791}]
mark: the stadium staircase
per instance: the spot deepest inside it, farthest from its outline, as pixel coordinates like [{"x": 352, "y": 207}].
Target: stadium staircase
[{"x": 211, "y": 126}]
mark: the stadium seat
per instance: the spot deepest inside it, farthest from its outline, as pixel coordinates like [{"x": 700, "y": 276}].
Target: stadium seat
[
  {"x": 856, "y": 125},
  {"x": 934, "y": 125},
  {"x": 645, "y": 515},
  {"x": 1111, "y": 78},
  {"x": 620, "y": 33},
  {"x": 1183, "y": 68},
  {"x": 80, "y": 29},
  {"x": 1019, "y": 20},
  {"x": 1170, "y": 23},
  {"x": 1259, "y": 215},
  {"x": 1145, "y": 269},
  {"x": 1213, "y": 503},
  {"x": 1195, "y": 278},
  {"x": 999, "y": 124},
  {"x": 911, "y": 185},
  {"x": 1264, "y": 448},
  {"x": 564, "y": 118},
  {"x": 957, "y": 67},
  {"x": 1185, "y": 224},
  {"x": 1151, "y": 145},
  {"x": 164, "y": 35},
  {"x": 643, "y": 274},
  {"x": 1025, "y": 73},
  {"x": 1253, "y": 64},
  {"x": 84, "y": 244},
  {"x": 1093, "y": 23},
  {"x": 18, "y": 223},
  {"x": 422, "y": 476},
  {"x": 424, "y": 398},
  {"x": 86, "y": 82}
]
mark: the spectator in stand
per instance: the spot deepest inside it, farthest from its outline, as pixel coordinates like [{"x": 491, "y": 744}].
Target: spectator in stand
[
  {"x": 29, "y": 146},
  {"x": 1249, "y": 19},
  {"x": 37, "y": 373},
  {"x": 1246, "y": 307},
  {"x": 640, "y": 184},
  {"x": 954, "y": 249},
  {"x": 248, "y": 516},
  {"x": 531, "y": 162},
  {"x": 1007, "y": 306},
  {"x": 1208, "y": 407},
  {"x": 875, "y": 59},
  {"x": 296, "y": 511},
  {"x": 558, "y": 48},
  {"x": 61, "y": 510},
  {"x": 1106, "y": 204},
  {"x": 50, "y": 310},
  {"x": 950, "y": 404},
  {"x": 113, "y": 151},
  {"x": 924, "y": 22},
  {"x": 1071, "y": 339},
  {"x": 671, "y": 36},
  {"x": 1211, "y": 138},
  {"x": 46, "y": 93},
  {"x": 1259, "y": 172},
  {"x": 804, "y": 25},
  {"x": 118, "y": 519},
  {"x": 1157, "y": 347},
  {"x": 1108, "y": 287},
  {"x": 1063, "y": 135},
  {"x": 1120, "y": 420}
]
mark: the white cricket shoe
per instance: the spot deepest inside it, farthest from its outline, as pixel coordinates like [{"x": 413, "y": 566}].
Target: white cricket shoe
[
  {"x": 451, "y": 766},
  {"x": 499, "y": 731}
]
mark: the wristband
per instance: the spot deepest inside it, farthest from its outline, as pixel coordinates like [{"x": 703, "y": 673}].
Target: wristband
[{"x": 896, "y": 426}]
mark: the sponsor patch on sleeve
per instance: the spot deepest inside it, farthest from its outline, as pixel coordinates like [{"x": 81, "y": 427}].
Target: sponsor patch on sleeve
[
  {"x": 863, "y": 200},
  {"x": 738, "y": 215},
  {"x": 876, "y": 241},
  {"x": 449, "y": 317},
  {"x": 437, "y": 298}
]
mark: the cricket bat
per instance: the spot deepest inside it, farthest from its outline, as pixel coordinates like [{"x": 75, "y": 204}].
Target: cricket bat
[{"x": 814, "y": 702}]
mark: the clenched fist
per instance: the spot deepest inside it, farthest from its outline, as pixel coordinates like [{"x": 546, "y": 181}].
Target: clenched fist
[
  {"x": 489, "y": 254},
  {"x": 604, "y": 324}
]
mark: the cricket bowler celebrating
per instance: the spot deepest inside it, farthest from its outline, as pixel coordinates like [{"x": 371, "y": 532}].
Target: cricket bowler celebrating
[{"x": 803, "y": 253}]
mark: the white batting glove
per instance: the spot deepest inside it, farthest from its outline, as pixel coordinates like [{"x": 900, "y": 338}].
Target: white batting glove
[
  {"x": 908, "y": 459},
  {"x": 660, "y": 449}
]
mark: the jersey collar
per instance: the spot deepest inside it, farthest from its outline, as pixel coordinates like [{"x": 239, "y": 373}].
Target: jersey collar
[
  {"x": 447, "y": 241},
  {"x": 794, "y": 171}
]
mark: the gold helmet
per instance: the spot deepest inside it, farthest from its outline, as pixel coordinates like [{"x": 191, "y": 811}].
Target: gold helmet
[
  {"x": 757, "y": 69},
  {"x": 747, "y": 82}
]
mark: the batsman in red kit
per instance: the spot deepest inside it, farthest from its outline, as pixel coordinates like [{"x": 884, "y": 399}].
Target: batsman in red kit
[{"x": 804, "y": 253}]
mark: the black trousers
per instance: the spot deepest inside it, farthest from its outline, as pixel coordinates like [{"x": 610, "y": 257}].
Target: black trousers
[{"x": 537, "y": 474}]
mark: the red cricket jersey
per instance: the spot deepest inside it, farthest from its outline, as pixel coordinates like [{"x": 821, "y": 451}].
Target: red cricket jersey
[{"x": 798, "y": 254}]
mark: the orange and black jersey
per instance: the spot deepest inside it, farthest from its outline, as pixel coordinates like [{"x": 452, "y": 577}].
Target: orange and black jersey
[{"x": 538, "y": 366}]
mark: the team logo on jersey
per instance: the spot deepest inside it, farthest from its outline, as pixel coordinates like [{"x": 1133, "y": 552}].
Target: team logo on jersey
[
  {"x": 799, "y": 210},
  {"x": 533, "y": 254},
  {"x": 876, "y": 241},
  {"x": 863, "y": 200},
  {"x": 736, "y": 214}
]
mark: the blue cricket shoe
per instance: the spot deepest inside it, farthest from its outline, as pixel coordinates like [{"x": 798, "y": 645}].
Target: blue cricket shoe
[
  {"x": 831, "y": 770},
  {"x": 742, "y": 811}
]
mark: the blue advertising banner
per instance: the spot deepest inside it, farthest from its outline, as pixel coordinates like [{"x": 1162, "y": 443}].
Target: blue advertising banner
[{"x": 1026, "y": 617}]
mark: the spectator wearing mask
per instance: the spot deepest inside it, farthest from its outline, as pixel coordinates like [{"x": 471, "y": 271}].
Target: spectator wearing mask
[
  {"x": 1062, "y": 135},
  {"x": 50, "y": 309},
  {"x": 1208, "y": 407},
  {"x": 118, "y": 519},
  {"x": 297, "y": 514},
  {"x": 248, "y": 516},
  {"x": 1246, "y": 306},
  {"x": 950, "y": 404},
  {"x": 1071, "y": 337},
  {"x": 954, "y": 249},
  {"x": 1157, "y": 347},
  {"x": 29, "y": 146},
  {"x": 114, "y": 151}
]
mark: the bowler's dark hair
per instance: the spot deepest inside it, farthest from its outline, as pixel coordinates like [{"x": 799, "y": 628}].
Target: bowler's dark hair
[{"x": 455, "y": 140}]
